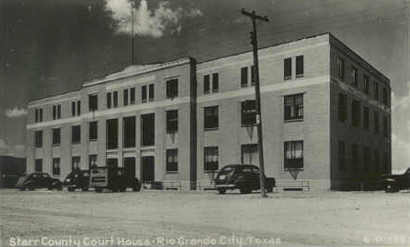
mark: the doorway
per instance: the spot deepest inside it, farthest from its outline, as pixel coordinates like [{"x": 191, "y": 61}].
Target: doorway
[{"x": 148, "y": 169}]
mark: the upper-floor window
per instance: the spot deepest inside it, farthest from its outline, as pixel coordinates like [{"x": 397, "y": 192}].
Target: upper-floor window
[
  {"x": 356, "y": 111},
  {"x": 293, "y": 154},
  {"x": 76, "y": 134},
  {"x": 38, "y": 165},
  {"x": 207, "y": 84},
  {"x": 299, "y": 67},
  {"x": 112, "y": 133},
  {"x": 125, "y": 97},
  {"x": 215, "y": 82},
  {"x": 129, "y": 131},
  {"x": 115, "y": 99},
  {"x": 76, "y": 108},
  {"x": 248, "y": 116},
  {"x": 293, "y": 107},
  {"x": 366, "y": 84},
  {"x": 144, "y": 93},
  {"x": 172, "y": 121},
  {"x": 151, "y": 92},
  {"x": 355, "y": 77},
  {"x": 211, "y": 158},
  {"x": 172, "y": 160},
  {"x": 56, "y": 136},
  {"x": 340, "y": 63},
  {"x": 56, "y": 112},
  {"x": 244, "y": 76},
  {"x": 38, "y": 138},
  {"x": 211, "y": 117},
  {"x": 109, "y": 100},
  {"x": 376, "y": 90},
  {"x": 287, "y": 68},
  {"x": 366, "y": 117},
  {"x": 38, "y": 115},
  {"x": 56, "y": 166},
  {"x": 132, "y": 96},
  {"x": 385, "y": 97},
  {"x": 93, "y": 131},
  {"x": 172, "y": 88},
  {"x": 92, "y": 102},
  {"x": 342, "y": 107}
]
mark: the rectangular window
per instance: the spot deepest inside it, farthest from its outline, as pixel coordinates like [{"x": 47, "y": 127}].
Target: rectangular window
[
  {"x": 366, "y": 117},
  {"x": 75, "y": 163},
  {"x": 293, "y": 154},
  {"x": 132, "y": 96},
  {"x": 249, "y": 154},
  {"x": 341, "y": 156},
  {"x": 385, "y": 97},
  {"x": 355, "y": 157},
  {"x": 253, "y": 75},
  {"x": 78, "y": 108},
  {"x": 356, "y": 111},
  {"x": 172, "y": 160},
  {"x": 376, "y": 90},
  {"x": 41, "y": 114},
  {"x": 115, "y": 99},
  {"x": 112, "y": 133},
  {"x": 125, "y": 96},
  {"x": 376, "y": 121},
  {"x": 287, "y": 69},
  {"x": 293, "y": 107},
  {"x": 38, "y": 167},
  {"x": 299, "y": 67},
  {"x": 385, "y": 127},
  {"x": 207, "y": 84},
  {"x": 340, "y": 68},
  {"x": 366, "y": 84},
  {"x": 92, "y": 160},
  {"x": 109, "y": 100},
  {"x": 73, "y": 108},
  {"x": 36, "y": 115},
  {"x": 151, "y": 92},
  {"x": 38, "y": 138},
  {"x": 355, "y": 77},
  {"x": 342, "y": 107},
  {"x": 54, "y": 112},
  {"x": 215, "y": 82},
  {"x": 93, "y": 102},
  {"x": 211, "y": 118},
  {"x": 172, "y": 88},
  {"x": 93, "y": 131},
  {"x": 56, "y": 166},
  {"x": 211, "y": 158},
  {"x": 58, "y": 111},
  {"x": 172, "y": 121},
  {"x": 248, "y": 113},
  {"x": 144, "y": 94},
  {"x": 148, "y": 129},
  {"x": 129, "y": 132},
  {"x": 244, "y": 76},
  {"x": 76, "y": 134},
  {"x": 56, "y": 137}
]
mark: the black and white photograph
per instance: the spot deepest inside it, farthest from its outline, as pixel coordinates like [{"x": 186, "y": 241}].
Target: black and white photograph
[{"x": 200, "y": 123}]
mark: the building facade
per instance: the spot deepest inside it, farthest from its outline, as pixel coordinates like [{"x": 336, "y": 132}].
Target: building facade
[{"x": 325, "y": 112}]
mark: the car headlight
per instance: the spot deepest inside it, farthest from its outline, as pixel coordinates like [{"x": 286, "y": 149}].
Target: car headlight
[{"x": 67, "y": 180}]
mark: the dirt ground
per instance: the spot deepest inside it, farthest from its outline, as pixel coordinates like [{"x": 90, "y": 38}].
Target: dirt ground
[{"x": 171, "y": 218}]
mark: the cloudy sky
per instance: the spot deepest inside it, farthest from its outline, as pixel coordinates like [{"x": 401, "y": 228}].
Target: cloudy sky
[{"x": 52, "y": 46}]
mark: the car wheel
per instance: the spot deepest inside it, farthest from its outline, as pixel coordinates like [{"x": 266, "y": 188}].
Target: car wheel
[
  {"x": 390, "y": 188},
  {"x": 221, "y": 191}
]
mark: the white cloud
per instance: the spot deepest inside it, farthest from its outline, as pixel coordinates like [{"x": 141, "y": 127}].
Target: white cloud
[
  {"x": 16, "y": 112},
  {"x": 16, "y": 150},
  {"x": 152, "y": 23}
]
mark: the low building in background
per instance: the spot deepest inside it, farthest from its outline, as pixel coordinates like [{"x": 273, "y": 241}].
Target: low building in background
[
  {"x": 326, "y": 117},
  {"x": 11, "y": 168}
]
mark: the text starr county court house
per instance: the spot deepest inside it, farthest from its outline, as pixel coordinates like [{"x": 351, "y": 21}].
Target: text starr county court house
[{"x": 325, "y": 110}]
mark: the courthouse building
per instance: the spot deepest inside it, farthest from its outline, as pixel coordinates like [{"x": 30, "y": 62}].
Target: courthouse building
[{"x": 325, "y": 111}]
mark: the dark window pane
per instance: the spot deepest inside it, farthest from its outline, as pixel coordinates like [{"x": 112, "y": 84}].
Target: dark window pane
[
  {"x": 144, "y": 94},
  {"x": 109, "y": 104},
  {"x": 56, "y": 137},
  {"x": 356, "y": 110},
  {"x": 115, "y": 98},
  {"x": 93, "y": 102},
  {"x": 73, "y": 108},
  {"x": 207, "y": 85},
  {"x": 172, "y": 121},
  {"x": 112, "y": 133},
  {"x": 38, "y": 165},
  {"x": 125, "y": 96},
  {"x": 172, "y": 88},
  {"x": 129, "y": 132},
  {"x": 93, "y": 130},
  {"x": 38, "y": 138},
  {"x": 215, "y": 82},
  {"x": 151, "y": 92},
  {"x": 211, "y": 117},
  {"x": 211, "y": 159},
  {"x": 172, "y": 160},
  {"x": 148, "y": 129},
  {"x": 287, "y": 69},
  {"x": 340, "y": 68},
  {"x": 293, "y": 107},
  {"x": 293, "y": 152},
  {"x": 78, "y": 108},
  {"x": 132, "y": 95},
  {"x": 75, "y": 163},
  {"x": 244, "y": 77},
  {"x": 76, "y": 134},
  {"x": 56, "y": 166},
  {"x": 248, "y": 116},
  {"x": 299, "y": 67},
  {"x": 253, "y": 75},
  {"x": 342, "y": 107}
]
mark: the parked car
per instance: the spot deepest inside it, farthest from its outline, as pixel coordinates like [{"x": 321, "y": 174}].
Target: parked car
[
  {"x": 395, "y": 183},
  {"x": 242, "y": 177},
  {"x": 112, "y": 178},
  {"x": 38, "y": 180},
  {"x": 77, "y": 179}
]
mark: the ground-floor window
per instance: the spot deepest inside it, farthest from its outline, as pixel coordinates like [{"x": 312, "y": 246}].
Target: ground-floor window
[
  {"x": 75, "y": 163},
  {"x": 56, "y": 166},
  {"x": 92, "y": 160},
  {"x": 293, "y": 154},
  {"x": 211, "y": 157},
  {"x": 38, "y": 166},
  {"x": 249, "y": 154},
  {"x": 172, "y": 160}
]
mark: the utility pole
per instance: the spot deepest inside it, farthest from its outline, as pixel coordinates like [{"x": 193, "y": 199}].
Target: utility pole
[
  {"x": 132, "y": 32},
  {"x": 254, "y": 43}
]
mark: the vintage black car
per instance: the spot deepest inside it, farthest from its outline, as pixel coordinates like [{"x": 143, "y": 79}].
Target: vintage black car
[
  {"x": 242, "y": 177},
  {"x": 112, "y": 178},
  {"x": 77, "y": 179},
  {"x": 38, "y": 180},
  {"x": 395, "y": 183}
]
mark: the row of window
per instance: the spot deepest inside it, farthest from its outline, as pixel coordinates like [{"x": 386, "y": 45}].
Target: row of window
[
  {"x": 356, "y": 115},
  {"x": 354, "y": 74},
  {"x": 370, "y": 159},
  {"x": 287, "y": 68},
  {"x": 293, "y": 158}
]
